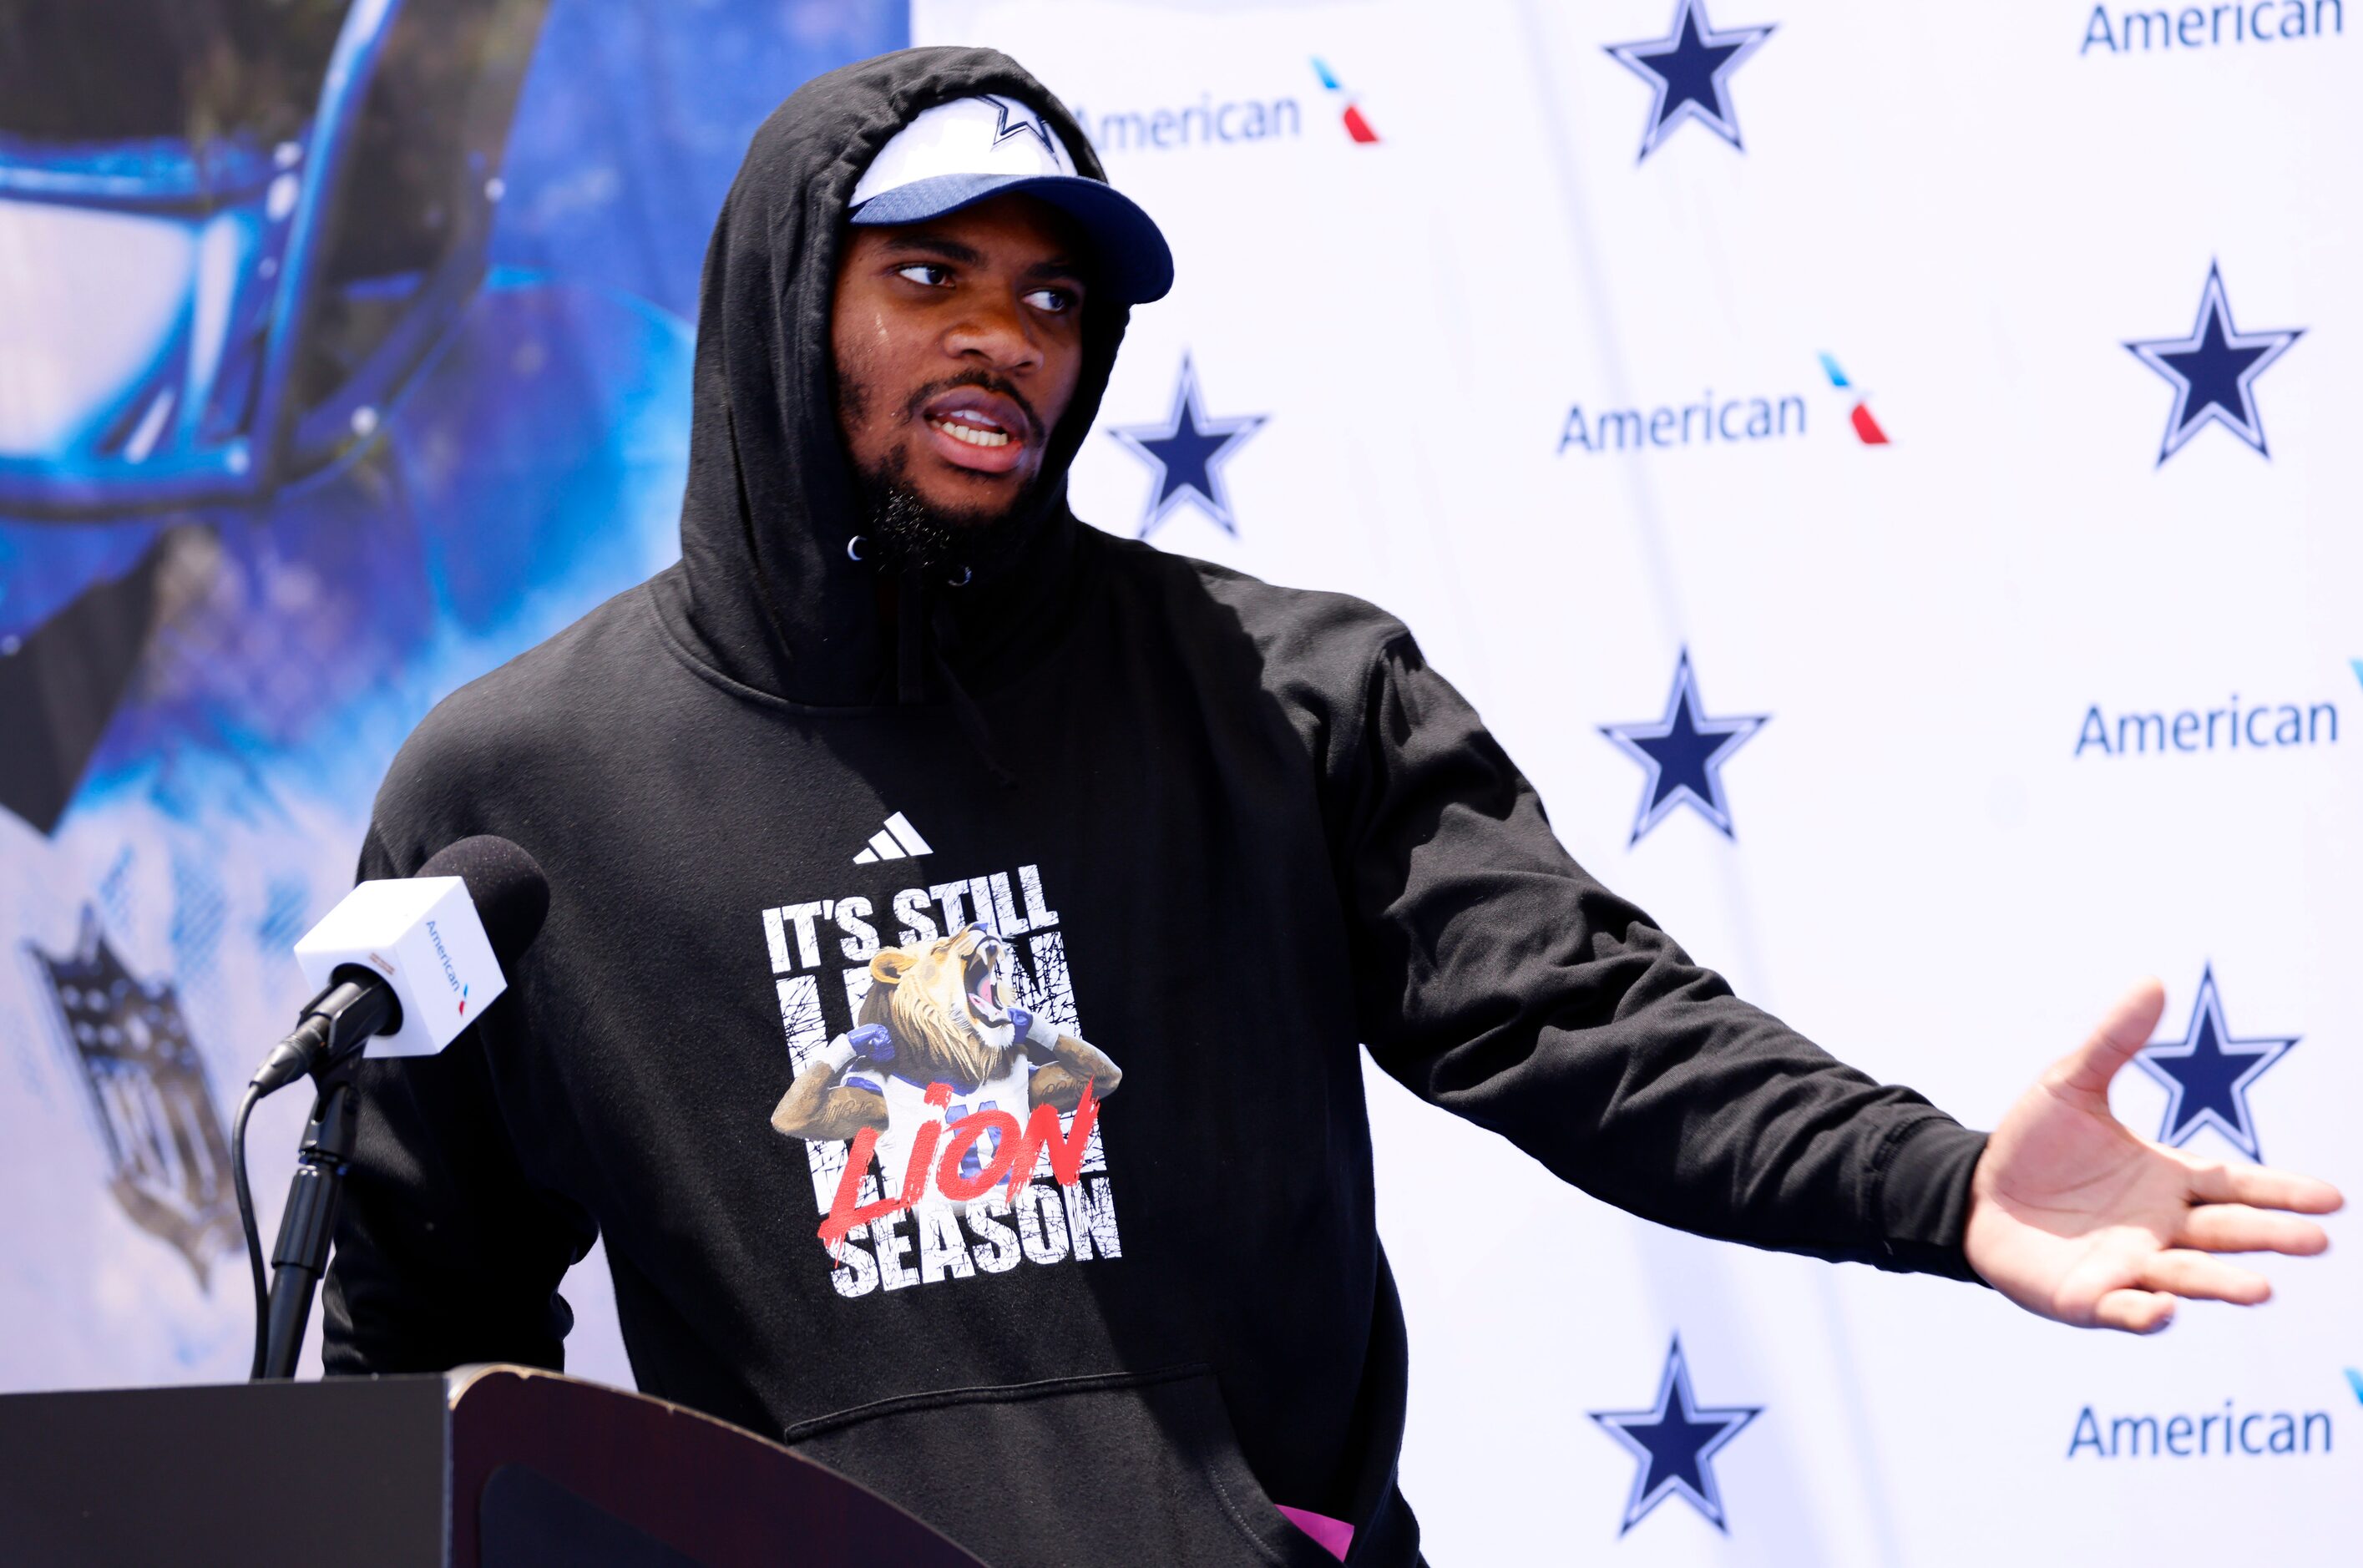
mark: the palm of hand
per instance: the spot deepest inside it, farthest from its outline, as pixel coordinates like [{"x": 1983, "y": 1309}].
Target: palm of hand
[{"x": 2074, "y": 1217}]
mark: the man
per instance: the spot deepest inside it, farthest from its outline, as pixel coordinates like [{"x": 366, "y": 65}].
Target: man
[{"x": 896, "y": 700}]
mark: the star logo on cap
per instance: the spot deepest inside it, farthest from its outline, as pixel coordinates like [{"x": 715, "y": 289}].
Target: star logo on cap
[
  {"x": 1013, "y": 118},
  {"x": 1689, "y": 71},
  {"x": 2214, "y": 371},
  {"x": 2207, "y": 1075},
  {"x": 1684, "y": 752},
  {"x": 1674, "y": 1442},
  {"x": 1188, "y": 452}
]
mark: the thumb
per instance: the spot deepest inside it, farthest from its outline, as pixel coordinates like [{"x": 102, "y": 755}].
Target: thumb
[{"x": 2084, "y": 1073}]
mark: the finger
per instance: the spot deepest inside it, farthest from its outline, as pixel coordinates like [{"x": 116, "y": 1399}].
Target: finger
[
  {"x": 2213, "y": 1182},
  {"x": 2085, "y": 1072},
  {"x": 2237, "y": 1228},
  {"x": 2198, "y": 1277},
  {"x": 2135, "y": 1311}
]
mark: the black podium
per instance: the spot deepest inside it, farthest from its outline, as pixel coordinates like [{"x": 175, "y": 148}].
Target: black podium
[{"x": 487, "y": 1467}]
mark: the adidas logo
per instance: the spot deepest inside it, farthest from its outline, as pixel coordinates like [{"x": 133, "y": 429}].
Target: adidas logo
[{"x": 898, "y": 840}]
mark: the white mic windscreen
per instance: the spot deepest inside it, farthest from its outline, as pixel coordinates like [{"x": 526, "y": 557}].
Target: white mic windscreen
[{"x": 422, "y": 936}]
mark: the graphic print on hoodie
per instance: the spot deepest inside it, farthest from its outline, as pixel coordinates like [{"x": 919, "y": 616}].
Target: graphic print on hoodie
[
  {"x": 1226, "y": 836},
  {"x": 962, "y": 1078}
]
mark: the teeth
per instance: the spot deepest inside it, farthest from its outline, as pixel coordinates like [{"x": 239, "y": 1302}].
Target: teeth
[{"x": 972, "y": 435}]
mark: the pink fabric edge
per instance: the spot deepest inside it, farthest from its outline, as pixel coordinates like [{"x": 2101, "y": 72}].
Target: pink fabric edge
[{"x": 1333, "y": 1536}]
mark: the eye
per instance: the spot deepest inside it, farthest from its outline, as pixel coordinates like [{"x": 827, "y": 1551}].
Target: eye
[
  {"x": 933, "y": 274},
  {"x": 1053, "y": 301}
]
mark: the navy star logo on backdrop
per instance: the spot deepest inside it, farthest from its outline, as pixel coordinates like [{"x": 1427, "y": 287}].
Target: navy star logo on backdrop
[
  {"x": 1674, "y": 1442},
  {"x": 1188, "y": 452},
  {"x": 1690, "y": 70},
  {"x": 1684, "y": 752},
  {"x": 2207, "y": 1075},
  {"x": 2214, "y": 371},
  {"x": 1016, "y": 119}
]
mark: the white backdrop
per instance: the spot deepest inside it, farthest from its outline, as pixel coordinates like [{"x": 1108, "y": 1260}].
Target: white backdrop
[
  {"x": 1466, "y": 346},
  {"x": 1972, "y": 212}
]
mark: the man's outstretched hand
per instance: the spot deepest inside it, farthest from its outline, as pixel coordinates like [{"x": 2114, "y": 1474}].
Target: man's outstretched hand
[{"x": 2074, "y": 1217}]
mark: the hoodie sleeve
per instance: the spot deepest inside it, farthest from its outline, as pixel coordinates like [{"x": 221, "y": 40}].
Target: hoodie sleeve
[
  {"x": 1496, "y": 978},
  {"x": 445, "y": 1254}
]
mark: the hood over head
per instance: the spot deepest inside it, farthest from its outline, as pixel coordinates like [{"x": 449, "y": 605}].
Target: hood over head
[{"x": 766, "y": 591}]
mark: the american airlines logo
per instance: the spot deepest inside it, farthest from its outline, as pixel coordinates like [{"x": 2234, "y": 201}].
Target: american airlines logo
[
  {"x": 449, "y": 973},
  {"x": 898, "y": 840}
]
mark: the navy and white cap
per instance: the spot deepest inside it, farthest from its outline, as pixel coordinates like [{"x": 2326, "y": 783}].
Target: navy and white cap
[{"x": 958, "y": 153}]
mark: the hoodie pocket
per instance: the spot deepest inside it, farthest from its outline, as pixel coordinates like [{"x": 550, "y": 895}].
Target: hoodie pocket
[{"x": 1073, "y": 1472}]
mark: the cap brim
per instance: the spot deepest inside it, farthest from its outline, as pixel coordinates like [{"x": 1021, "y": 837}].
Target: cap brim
[{"x": 1135, "y": 264}]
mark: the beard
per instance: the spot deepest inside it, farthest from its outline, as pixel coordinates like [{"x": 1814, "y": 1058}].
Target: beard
[{"x": 903, "y": 531}]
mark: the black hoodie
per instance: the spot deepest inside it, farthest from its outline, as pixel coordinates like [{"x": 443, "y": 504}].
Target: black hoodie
[{"x": 1249, "y": 834}]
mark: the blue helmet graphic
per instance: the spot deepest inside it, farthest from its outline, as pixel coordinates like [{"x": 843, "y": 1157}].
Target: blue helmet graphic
[{"x": 243, "y": 240}]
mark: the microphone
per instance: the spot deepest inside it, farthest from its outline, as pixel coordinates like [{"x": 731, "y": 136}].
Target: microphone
[{"x": 404, "y": 964}]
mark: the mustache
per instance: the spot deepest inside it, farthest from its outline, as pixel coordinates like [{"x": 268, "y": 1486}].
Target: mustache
[{"x": 984, "y": 380}]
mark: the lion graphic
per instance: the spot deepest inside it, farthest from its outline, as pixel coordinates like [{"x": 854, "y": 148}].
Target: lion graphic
[{"x": 938, "y": 1014}]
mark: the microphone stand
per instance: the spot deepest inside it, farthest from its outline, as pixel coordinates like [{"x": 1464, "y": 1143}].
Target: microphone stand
[
  {"x": 328, "y": 1045},
  {"x": 309, "y": 1221}
]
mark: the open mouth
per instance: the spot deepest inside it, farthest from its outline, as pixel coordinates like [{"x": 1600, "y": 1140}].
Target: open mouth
[
  {"x": 972, "y": 429},
  {"x": 988, "y": 995},
  {"x": 976, "y": 429}
]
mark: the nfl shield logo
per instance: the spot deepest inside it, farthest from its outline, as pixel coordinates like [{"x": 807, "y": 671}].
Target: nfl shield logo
[{"x": 153, "y": 1103}]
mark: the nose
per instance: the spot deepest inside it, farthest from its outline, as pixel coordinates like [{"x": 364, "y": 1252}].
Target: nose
[{"x": 993, "y": 331}]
